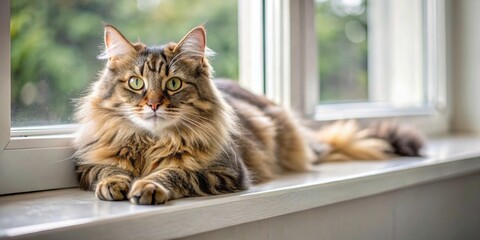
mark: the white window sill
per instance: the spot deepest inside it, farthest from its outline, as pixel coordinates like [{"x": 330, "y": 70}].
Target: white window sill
[
  {"x": 70, "y": 213},
  {"x": 367, "y": 110}
]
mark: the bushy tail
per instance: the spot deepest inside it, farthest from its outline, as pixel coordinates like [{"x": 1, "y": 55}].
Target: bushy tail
[
  {"x": 347, "y": 141},
  {"x": 404, "y": 140}
]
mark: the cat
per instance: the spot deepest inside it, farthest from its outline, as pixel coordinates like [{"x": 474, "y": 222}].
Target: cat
[{"x": 155, "y": 127}]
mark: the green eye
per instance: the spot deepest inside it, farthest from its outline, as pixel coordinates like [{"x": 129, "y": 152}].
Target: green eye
[
  {"x": 136, "y": 83},
  {"x": 173, "y": 84}
]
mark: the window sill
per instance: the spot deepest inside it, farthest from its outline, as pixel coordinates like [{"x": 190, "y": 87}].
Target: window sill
[
  {"x": 362, "y": 110},
  {"x": 63, "y": 214}
]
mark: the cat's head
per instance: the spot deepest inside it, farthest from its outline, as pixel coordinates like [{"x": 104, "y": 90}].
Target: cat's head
[{"x": 157, "y": 87}]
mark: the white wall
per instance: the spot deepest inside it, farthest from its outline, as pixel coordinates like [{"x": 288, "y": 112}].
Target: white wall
[{"x": 465, "y": 64}]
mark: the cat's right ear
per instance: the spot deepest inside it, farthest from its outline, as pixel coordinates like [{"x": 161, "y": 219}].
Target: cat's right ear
[{"x": 116, "y": 45}]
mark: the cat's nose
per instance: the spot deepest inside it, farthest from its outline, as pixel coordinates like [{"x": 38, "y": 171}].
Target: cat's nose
[{"x": 154, "y": 105}]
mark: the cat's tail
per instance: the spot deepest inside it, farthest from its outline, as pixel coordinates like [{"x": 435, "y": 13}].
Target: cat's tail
[{"x": 345, "y": 141}]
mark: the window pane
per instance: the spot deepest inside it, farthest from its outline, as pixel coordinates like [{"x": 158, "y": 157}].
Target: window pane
[
  {"x": 372, "y": 51},
  {"x": 341, "y": 27},
  {"x": 55, "y": 44}
]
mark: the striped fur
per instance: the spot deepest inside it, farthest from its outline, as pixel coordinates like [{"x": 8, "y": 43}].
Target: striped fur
[{"x": 154, "y": 144}]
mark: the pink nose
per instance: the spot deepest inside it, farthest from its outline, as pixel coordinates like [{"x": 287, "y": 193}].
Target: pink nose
[{"x": 154, "y": 106}]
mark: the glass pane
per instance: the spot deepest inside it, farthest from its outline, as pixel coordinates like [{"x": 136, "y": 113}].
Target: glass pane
[
  {"x": 341, "y": 28},
  {"x": 55, "y": 44}
]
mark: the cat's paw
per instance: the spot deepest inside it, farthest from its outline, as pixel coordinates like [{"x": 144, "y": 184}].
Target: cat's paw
[
  {"x": 113, "y": 188},
  {"x": 148, "y": 192}
]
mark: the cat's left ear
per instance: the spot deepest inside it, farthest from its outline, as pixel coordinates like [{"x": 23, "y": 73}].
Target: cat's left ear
[
  {"x": 194, "y": 42},
  {"x": 116, "y": 45}
]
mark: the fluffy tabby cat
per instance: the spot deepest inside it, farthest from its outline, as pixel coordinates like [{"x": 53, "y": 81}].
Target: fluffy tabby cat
[{"x": 156, "y": 127}]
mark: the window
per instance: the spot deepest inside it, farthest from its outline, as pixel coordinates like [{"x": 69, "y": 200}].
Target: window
[
  {"x": 371, "y": 51},
  {"x": 337, "y": 59},
  {"x": 341, "y": 31},
  {"x": 378, "y": 57}
]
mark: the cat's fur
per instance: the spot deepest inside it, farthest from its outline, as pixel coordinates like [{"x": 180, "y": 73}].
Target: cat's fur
[{"x": 153, "y": 145}]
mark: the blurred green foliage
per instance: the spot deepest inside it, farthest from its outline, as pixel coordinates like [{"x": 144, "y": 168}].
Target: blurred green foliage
[
  {"x": 55, "y": 44},
  {"x": 343, "y": 64}
]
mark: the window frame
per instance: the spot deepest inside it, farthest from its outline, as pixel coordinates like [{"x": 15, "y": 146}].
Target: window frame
[
  {"x": 5, "y": 72},
  {"x": 388, "y": 22},
  {"x": 31, "y": 159},
  {"x": 251, "y": 45},
  {"x": 298, "y": 73}
]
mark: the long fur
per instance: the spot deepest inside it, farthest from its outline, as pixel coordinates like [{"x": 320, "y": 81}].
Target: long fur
[
  {"x": 207, "y": 137},
  {"x": 348, "y": 142}
]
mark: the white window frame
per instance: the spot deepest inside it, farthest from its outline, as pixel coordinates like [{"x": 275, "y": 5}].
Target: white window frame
[
  {"x": 292, "y": 74},
  {"x": 4, "y": 73},
  {"x": 397, "y": 57},
  {"x": 250, "y": 47},
  {"x": 31, "y": 159}
]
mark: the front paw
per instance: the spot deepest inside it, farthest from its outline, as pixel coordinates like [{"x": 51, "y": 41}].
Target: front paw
[
  {"x": 113, "y": 188},
  {"x": 148, "y": 192}
]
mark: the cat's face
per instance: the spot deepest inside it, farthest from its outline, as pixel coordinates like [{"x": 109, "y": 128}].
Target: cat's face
[{"x": 157, "y": 87}]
